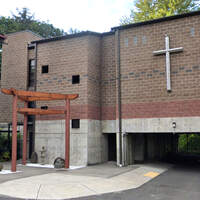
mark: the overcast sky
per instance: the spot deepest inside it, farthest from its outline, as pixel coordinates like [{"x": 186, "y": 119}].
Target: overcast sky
[{"x": 93, "y": 15}]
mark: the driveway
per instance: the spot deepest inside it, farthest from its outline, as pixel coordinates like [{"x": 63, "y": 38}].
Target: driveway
[{"x": 181, "y": 182}]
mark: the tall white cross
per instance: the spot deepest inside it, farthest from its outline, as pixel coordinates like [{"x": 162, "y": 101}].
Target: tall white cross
[{"x": 167, "y": 52}]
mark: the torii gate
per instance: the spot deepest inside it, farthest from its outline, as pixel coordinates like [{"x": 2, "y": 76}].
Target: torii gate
[{"x": 27, "y": 96}]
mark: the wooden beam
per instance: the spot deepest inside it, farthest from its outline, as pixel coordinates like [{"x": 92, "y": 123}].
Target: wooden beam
[
  {"x": 43, "y": 94},
  {"x": 6, "y": 91},
  {"x": 49, "y": 99},
  {"x": 37, "y": 111},
  {"x": 38, "y": 96}
]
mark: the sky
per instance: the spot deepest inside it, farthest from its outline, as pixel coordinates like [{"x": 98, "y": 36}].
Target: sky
[{"x": 93, "y": 15}]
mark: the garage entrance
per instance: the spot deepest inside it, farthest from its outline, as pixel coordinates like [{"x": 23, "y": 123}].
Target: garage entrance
[{"x": 167, "y": 147}]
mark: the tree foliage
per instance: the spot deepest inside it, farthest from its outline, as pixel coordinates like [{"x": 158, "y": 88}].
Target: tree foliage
[
  {"x": 25, "y": 20},
  {"x": 189, "y": 143},
  {"x": 151, "y": 9}
]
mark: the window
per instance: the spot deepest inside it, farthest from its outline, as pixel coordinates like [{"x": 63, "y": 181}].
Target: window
[
  {"x": 135, "y": 40},
  {"x": 44, "y": 107},
  {"x": 192, "y": 32},
  {"x": 75, "y": 123},
  {"x": 75, "y": 79},
  {"x": 126, "y": 42},
  {"x": 144, "y": 39},
  {"x": 31, "y": 73},
  {"x": 45, "y": 69}
]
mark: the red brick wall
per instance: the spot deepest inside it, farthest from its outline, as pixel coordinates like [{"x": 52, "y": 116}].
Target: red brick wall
[
  {"x": 143, "y": 83},
  {"x": 14, "y": 69},
  {"x": 108, "y": 78},
  {"x": 65, "y": 58},
  {"x": 75, "y": 56},
  {"x": 94, "y": 77}
]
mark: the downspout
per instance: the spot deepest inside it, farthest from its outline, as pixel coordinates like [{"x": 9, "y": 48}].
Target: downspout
[
  {"x": 35, "y": 88},
  {"x": 117, "y": 34},
  {"x": 35, "y": 84}
]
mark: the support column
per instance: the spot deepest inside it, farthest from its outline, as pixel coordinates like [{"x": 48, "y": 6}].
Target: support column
[
  {"x": 67, "y": 134},
  {"x": 25, "y": 136},
  {"x": 14, "y": 134}
]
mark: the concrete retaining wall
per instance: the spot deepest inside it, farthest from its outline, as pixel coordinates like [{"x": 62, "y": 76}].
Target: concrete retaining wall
[{"x": 87, "y": 144}]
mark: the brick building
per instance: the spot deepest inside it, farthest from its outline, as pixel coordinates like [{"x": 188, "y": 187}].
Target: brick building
[{"x": 133, "y": 98}]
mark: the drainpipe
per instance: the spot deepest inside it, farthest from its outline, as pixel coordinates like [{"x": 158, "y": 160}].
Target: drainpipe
[
  {"x": 35, "y": 88},
  {"x": 118, "y": 75},
  {"x": 35, "y": 84}
]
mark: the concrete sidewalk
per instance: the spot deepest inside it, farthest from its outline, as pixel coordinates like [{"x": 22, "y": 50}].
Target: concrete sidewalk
[{"x": 92, "y": 180}]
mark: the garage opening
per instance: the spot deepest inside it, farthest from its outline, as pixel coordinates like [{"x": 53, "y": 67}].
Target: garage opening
[
  {"x": 145, "y": 147},
  {"x": 112, "y": 154},
  {"x": 164, "y": 147}
]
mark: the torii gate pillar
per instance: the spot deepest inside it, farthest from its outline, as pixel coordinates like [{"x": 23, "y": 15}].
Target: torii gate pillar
[{"x": 14, "y": 134}]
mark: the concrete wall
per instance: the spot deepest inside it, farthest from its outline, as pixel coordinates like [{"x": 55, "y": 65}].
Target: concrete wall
[
  {"x": 87, "y": 144},
  {"x": 154, "y": 125},
  {"x": 162, "y": 125}
]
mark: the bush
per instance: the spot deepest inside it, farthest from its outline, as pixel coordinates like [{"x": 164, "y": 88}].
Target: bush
[
  {"x": 5, "y": 148},
  {"x": 3, "y": 145}
]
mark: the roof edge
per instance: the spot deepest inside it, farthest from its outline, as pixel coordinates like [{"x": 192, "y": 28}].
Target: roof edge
[
  {"x": 69, "y": 36},
  {"x": 26, "y": 31},
  {"x": 169, "y": 18}
]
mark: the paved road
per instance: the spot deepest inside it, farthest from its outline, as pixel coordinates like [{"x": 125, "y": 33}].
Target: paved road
[{"x": 179, "y": 183}]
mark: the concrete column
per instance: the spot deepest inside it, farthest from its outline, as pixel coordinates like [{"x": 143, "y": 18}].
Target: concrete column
[
  {"x": 124, "y": 149},
  {"x": 118, "y": 148}
]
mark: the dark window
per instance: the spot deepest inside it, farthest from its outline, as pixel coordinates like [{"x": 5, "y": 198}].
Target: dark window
[
  {"x": 44, "y": 107},
  {"x": 75, "y": 79},
  {"x": 45, "y": 69},
  {"x": 31, "y": 118},
  {"x": 31, "y": 104},
  {"x": 31, "y": 73},
  {"x": 75, "y": 123}
]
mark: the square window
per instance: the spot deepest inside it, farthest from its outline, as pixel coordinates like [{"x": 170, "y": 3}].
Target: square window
[
  {"x": 75, "y": 79},
  {"x": 126, "y": 42},
  {"x": 45, "y": 69},
  {"x": 75, "y": 123},
  {"x": 44, "y": 107},
  {"x": 144, "y": 39},
  {"x": 135, "y": 40}
]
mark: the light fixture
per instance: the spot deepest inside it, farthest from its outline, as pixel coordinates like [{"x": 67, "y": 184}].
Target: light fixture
[{"x": 174, "y": 125}]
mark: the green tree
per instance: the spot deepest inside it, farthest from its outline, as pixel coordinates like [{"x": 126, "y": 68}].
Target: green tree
[
  {"x": 151, "y": 9},
  {"x": 25, "y": 20}
]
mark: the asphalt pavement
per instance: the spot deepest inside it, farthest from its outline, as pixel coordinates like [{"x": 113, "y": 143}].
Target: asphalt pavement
[{"x": 181, "y": 182}]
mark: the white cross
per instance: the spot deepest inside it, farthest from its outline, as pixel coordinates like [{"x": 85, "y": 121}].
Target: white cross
[{"x": 167, "y": 51}]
